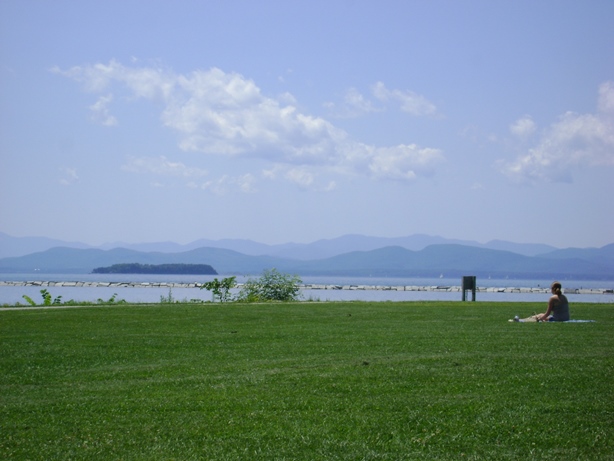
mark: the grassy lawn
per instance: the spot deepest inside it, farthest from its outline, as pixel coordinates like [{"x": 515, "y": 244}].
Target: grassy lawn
[{"x": 306, "y": 381}]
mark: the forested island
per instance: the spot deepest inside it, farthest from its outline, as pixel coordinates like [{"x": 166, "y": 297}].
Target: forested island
[{"x": 175, "y": 269}]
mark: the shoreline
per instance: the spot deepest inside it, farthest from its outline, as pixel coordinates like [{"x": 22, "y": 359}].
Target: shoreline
[{"x": 304, "y": 286}]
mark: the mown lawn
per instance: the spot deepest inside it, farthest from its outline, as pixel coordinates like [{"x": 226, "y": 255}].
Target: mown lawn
[{"x": 306, "y": 381}]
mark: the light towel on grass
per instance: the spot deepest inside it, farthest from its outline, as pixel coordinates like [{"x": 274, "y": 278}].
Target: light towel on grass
[{"x": 533, "y": 320}]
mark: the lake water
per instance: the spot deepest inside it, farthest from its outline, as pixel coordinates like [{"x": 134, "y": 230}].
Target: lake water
[{"x": 9, "y": 295}]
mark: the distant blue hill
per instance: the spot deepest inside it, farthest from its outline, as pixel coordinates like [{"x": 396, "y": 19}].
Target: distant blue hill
[
  {"x": 452, "y": 260},
  {"x": 20, "y": 246},
  {"x": 602, "y": 256},
  {"x": 458, "y": 260},
  {"x": 320, "y": 249},
  {"x": 78, "y": 261}
]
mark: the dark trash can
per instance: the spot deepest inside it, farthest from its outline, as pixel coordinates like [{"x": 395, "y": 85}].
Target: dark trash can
[{"x": 469, "y": 283}]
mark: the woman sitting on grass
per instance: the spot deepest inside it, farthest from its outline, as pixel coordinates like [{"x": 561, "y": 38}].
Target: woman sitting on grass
[{"x": 558, "y": 308}]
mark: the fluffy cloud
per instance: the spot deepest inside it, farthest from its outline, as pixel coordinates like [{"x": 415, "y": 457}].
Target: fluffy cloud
[
  {"x": 403, "y": 162},
  {"x": 356, "y": 104},
  {"x": 161, "y": 166},
  {"x": 70, "y": 176},
  {"x": 221, "y": 186},
  {"x": 220, "y": 113},
  {"x": 410, "y": 102},
  {"x": 305, "y": 177},
  {"x": 606, "y": 98},
  {"x": 100, "y": 111},
  {"x": 523, "y": 127},
  {"x": 573, "y": 141}
]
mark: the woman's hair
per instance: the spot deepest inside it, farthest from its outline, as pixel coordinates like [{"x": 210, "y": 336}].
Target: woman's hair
[{"x": 556, "y": 286}]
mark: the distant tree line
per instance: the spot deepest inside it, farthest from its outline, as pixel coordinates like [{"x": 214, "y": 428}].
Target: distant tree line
[{"x": 136, "y": 268}]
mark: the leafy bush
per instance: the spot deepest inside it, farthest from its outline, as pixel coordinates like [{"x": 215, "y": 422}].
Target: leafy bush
[
  {"x": 47, "y": 301},
  {"x": 271, "y": 286},
  {"x": 221, "y": 288},
  {"x": 167, "y": 299},
  {"x": 30, "y": 301},
  {"x": 112, "y": 300}
]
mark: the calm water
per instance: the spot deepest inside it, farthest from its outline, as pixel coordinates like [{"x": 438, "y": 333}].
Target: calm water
[{"x": 12, "y": 295}]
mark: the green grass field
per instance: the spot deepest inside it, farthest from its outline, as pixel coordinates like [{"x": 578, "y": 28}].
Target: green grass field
[{"x": 306, "y": 381}]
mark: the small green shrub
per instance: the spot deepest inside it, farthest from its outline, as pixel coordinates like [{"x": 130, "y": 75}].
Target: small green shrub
[
  {"x": 30, "y": 301},
  {"x": 220, "y": 289},
  {"x": 271, "y": 286},
  {"x": 47, "y": 299},
  {"x": 167, "y": 299},
  {"x": 112, "y": 300}
]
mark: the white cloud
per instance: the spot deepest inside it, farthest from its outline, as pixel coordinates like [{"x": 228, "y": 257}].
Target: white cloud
[
  {"x": 573, "y": 141},
  {"x": 606, "y": 98},
  {"x": 354, "y": 105},
  {"x": 300, "y": 176},
  {"x": 523, "y": 127},
  {"x": 411, "y": 102},
  {"x": 246, "y": 183},
  {"x": 100, "y": 111},
  {"x": 305, "y": 177},
  {"x": 220, "y": 113},
  {"x": 357, "y": 101},
  {"x": 70, "y": 176},
  {"x": 404, "y": 162},
  {"x": 221, "y": 186},
  {"x": 162, "y": 166},
  {"x": 477, "y": 135}
]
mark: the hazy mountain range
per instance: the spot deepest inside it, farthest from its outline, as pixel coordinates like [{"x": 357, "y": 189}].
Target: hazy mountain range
[
  {"x": 351, "y": 255},
  {"x": 21, "y": 246}
]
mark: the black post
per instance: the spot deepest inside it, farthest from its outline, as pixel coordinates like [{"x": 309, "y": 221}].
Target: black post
[{"x": 469, "y": 284}]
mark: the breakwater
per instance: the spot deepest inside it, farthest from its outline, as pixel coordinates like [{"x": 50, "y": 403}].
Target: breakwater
[{"x": 307, "y": 286}]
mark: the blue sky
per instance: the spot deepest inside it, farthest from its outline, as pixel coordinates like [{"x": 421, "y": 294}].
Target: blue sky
[{"x": 288, "y": 121}]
